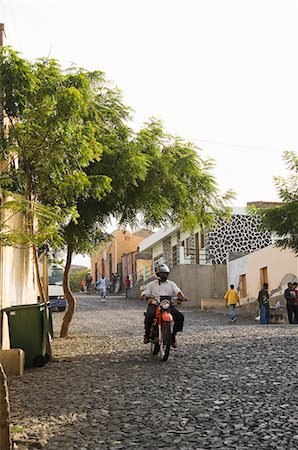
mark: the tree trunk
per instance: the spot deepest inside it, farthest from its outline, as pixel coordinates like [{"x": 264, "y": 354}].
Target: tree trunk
[
  {"x": 5, "y": 438},
  {"x": 38, "y": 278},
  {"x": 43, "y": 299},
  {"x": 68, "y": 295}
]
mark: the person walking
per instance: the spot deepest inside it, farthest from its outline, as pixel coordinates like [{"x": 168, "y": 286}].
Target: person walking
[
  {"x": 232, "y": 298},
  {"x": 295, "y": 286},
  {"x": 82, "y": 284},
  {"x": 263, "y": 299},
  {"x": 127, "y": 287},
  {"x": 88, "y": 281},
  {"x": 290, "y": 297},
  {"x": 101, "y": 286}
]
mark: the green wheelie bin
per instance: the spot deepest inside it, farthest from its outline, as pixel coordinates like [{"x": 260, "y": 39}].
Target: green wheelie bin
[{"x": 28, "y": 329}]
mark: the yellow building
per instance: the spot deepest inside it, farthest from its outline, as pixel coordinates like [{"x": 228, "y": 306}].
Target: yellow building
[{"x": 108, "y": 259}]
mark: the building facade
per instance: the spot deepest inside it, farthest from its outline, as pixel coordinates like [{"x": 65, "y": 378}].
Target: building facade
[
  {"x": 108, "y": 259},
  {"x": 268, "y": 265}
]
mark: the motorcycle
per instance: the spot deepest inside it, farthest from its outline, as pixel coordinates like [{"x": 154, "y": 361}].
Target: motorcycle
[{"x": 161, "y": 329}]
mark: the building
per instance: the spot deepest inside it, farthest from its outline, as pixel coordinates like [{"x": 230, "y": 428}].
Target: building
[
  {"x": 268, "y": 265},
  {"x": 198, "y": 259},
  {"x": 108, "y": 259},
  {"x": 17, "y": 273}
]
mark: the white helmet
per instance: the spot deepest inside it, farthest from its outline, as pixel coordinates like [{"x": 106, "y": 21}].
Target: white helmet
[{"x": 162, "y": 268}]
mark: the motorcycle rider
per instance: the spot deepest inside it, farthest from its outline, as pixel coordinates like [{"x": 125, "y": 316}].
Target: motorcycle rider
[{"x": 156, "y": 288}]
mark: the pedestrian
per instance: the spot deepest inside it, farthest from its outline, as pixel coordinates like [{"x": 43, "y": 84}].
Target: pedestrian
[
  {"x": 88, "y": 281},
  {"x": 232, "y": 298},
  {"x": 295, "y": 284},
  {"x": 290, "y": 297},
  {"x": 263, "y": 299},
  {"x": 127, "y": 287},
  {"x": 114, "y": 282},
  {"x": 117, "y": 283},
  {"x": 82, "y": 284},
  {"x": 101, "y": 286}
]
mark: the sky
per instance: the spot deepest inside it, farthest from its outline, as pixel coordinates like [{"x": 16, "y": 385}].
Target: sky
[{"x": 222, "y": 74}]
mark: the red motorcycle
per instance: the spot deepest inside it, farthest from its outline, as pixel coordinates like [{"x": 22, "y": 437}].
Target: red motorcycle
[{"x": 161, "y": 329}]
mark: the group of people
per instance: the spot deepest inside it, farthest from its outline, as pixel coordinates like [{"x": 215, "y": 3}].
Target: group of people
[
  {"x": 103, "y": 285},
  {"x": 291, "y": 297},
  {"x": 290, "y": 294}
]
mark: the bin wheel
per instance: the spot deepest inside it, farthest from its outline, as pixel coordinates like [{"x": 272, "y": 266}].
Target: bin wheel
[
  {"x": 47, "y": 357},
  {"x": 62, "y": 308},
  {"x": 39, "y": 361}
]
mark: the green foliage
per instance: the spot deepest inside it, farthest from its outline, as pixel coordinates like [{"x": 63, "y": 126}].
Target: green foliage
[
  {"x": 75, "y": 278},
  {"x": 54, "y": 123},
  {"x": 283, "y": 220},
  {"x": 70, "y": 131},
  {"x": 47, "y": 217},
  {"x": 162, "y": 180}
]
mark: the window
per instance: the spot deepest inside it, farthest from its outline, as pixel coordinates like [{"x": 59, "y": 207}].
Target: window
[
  {"x": 243, "y": 286},
  {"x": 202, "y": 238},
  {"x": 174, "y": 255},
  {"x": 187, "y": 247},
  {"x": 263, "y": 276},
  {"x": 55, "y": 275}
]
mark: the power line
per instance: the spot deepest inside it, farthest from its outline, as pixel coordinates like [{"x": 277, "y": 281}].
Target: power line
[{"x": 230, "y": 144}]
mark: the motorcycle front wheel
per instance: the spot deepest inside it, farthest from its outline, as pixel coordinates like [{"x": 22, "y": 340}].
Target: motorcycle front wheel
[{"x": 165, "y": 346}]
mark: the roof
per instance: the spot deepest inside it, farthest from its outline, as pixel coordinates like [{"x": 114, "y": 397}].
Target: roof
[{"x": 150, "y": 241}]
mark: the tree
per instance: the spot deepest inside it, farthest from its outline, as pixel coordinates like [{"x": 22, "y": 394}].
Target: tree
[
  {"x": 51, "y": 138},
  {"x": 156, "y": 179},
  {"x": 283, "y": 220},
  {"x": 70, "y": 131}
]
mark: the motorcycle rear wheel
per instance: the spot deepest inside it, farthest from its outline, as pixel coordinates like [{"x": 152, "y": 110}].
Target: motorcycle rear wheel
[{"x": 166, "y": 341}]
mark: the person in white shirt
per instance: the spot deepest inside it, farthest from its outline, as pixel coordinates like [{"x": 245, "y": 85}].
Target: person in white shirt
[
  {"x": 101, "y": 286},
  {"x": 156, "y": 288}
]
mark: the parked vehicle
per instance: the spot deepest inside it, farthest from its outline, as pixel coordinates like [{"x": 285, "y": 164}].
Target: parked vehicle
[
  {"x": 161, "y": 330},
  {"x": 56, "y": 294}
]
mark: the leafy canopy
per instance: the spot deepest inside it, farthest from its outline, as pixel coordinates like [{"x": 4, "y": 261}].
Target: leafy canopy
[
  {"x": 70, "y": 131},
  {"x": 283, "y": 220}
]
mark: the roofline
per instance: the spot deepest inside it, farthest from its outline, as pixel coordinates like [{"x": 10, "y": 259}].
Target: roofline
[{"x": 150, "y": 241}]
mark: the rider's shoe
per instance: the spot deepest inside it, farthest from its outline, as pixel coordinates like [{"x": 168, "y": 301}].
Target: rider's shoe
[
  {"x": 146, "y": 340},
  {"x": 173, "y": 342}
]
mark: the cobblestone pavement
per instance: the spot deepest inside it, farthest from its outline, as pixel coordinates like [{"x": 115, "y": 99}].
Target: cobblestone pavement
[{"x": 225, "y": 387}]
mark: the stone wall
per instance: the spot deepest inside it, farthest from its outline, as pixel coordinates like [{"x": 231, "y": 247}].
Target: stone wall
[{"x": 240, "y": 235}]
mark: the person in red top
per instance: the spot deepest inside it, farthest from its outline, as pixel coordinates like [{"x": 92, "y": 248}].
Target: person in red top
[
  {"x": 127, "y": 287},
  {"x": 296, "y": 300}
]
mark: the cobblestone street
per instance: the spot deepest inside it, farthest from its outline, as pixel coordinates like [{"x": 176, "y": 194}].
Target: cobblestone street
[{"x": 224, "y": 387}]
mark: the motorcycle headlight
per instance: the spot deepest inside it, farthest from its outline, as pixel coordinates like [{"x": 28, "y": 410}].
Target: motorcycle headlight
[{"x": 165, "y": 304}]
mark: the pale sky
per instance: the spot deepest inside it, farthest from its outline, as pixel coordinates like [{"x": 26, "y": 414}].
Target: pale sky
[{"x": 222, "y": 74}]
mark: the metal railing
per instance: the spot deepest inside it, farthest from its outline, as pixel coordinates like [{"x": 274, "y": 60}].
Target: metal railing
[{"x": 143, "y": 275}]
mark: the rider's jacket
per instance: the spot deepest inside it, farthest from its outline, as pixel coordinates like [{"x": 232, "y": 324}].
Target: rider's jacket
[{"x": 156, "y": 288}]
